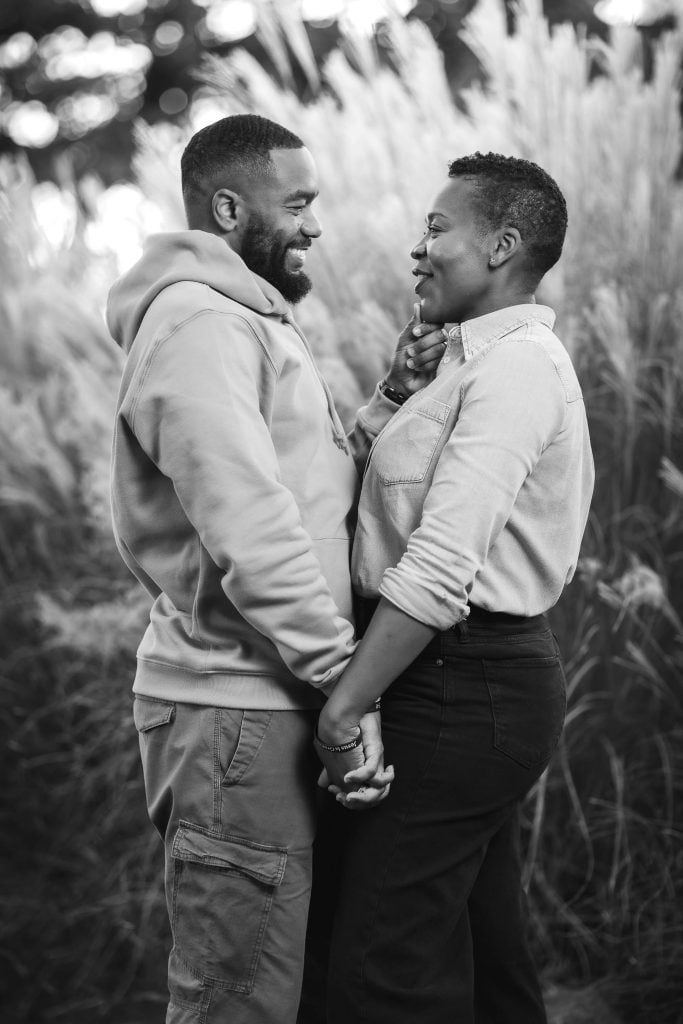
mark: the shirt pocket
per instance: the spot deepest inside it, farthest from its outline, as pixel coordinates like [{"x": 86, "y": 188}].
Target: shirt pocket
[{"x": 407, "y": 446}]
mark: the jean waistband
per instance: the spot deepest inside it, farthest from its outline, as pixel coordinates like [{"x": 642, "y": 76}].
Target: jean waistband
[
  {"x": 478, "y": 617},
  {"x": 483, "y": 626}
]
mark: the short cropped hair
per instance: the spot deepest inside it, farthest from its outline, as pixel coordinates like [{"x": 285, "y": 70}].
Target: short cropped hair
[
  {"x": 220, "y": 154},
  {"x": 517, "y": 192}
]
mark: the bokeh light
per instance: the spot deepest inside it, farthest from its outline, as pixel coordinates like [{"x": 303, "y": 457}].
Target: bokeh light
[
  {"x": 17, "y": 50},
  {"x": 122, "y": 219},
  {"x": 230, "y": 20},
  {"x": 110, "y": 8},
  {"x": 30, "y": 124}
]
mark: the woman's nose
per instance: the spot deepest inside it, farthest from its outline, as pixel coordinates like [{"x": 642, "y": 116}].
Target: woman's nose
[{"x": 418, "y": 251}]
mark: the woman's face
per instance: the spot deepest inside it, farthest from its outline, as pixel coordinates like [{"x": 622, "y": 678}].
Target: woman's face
[{"x": 454, "y": 277}]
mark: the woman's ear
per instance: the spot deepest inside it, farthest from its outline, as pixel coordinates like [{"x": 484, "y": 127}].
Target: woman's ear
[{"x": 507, "y": 244}]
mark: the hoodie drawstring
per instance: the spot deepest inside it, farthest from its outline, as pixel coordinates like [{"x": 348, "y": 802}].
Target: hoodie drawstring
[{"x": 337, "y": 427}]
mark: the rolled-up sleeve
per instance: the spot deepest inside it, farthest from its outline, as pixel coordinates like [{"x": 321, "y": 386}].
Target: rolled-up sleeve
[
  {"x": 370, "y": 420},
  {"x": 511, "y": 408}
]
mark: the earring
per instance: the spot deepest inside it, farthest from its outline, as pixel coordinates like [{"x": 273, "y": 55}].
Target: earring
[{"x": 492, "y": 262}]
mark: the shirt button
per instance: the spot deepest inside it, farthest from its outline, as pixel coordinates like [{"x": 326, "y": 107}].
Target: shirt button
[
  {"x": 439, "y": 661},
  {"x": 446, "y": 359}
]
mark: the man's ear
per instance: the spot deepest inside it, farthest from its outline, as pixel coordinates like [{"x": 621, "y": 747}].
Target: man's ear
[
  {"x": 507, "y": 243},
  {"x": 226, "y": 209}
]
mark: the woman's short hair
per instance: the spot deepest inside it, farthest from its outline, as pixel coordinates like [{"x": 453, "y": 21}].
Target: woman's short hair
[{"x": 519, "y": 193}]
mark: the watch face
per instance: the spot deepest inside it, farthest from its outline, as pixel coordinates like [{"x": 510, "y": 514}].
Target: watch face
[{"x": 394, "y": 396}]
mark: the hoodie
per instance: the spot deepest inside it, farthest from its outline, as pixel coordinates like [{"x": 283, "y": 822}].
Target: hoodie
[{"x": 231, "y": 485}]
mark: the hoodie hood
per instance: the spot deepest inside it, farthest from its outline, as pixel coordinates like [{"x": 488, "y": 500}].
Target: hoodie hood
[{"x": 185, "y": 256}]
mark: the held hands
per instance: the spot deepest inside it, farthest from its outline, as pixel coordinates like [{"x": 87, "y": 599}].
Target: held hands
[
  {"x": 356, "y": 776},
  {"x": 418, "y": 353}
]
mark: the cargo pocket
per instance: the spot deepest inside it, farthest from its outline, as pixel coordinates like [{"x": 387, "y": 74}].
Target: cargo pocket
[
  {"x": 223, "y": 888},
  {"x": 528, "y": 702}
]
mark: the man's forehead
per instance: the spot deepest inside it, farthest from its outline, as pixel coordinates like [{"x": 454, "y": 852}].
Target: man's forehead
[{"x": 294, "y": 172}]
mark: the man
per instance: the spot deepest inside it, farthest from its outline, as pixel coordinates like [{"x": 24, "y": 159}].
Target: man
[
  {"x": 231, "y": 491},
  {"x": 474, "y": 502}
]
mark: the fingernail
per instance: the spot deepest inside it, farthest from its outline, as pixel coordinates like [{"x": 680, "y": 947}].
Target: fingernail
[
  {"x": 410, "y": 363},
  {"x": 416, "y": 332}
]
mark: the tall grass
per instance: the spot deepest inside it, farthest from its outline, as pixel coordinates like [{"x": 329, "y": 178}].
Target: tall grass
[
  {"x": 603, "y": 824},
  {"x": 75, "y": 857}
]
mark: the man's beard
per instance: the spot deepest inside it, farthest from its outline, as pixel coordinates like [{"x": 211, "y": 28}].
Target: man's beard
[{"x": 265, "y": 255}]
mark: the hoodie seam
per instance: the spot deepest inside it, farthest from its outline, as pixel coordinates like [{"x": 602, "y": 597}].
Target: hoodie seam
[{"x": 167, "y": 337}]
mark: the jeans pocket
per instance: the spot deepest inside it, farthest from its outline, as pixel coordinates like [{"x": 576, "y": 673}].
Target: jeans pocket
[
  {"x": 241, "y": 736},
  {"x": 223, "y": 888},
  {"x": 528, "y": 702}
]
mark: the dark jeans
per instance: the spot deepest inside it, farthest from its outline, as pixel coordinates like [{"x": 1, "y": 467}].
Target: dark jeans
[{"x": 429, "y": 914}]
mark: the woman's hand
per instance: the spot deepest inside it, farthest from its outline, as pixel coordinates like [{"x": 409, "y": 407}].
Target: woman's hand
[
  {"x": 418, "y": 353},
  {"x": 357, "y": 776}
]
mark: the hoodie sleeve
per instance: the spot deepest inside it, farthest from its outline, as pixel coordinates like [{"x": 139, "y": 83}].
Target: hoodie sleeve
[
  {"x": 370, "y": 421},
  {"x": 199, "y": 415}
]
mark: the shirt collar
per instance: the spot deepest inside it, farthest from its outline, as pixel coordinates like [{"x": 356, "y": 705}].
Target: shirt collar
[{"x": 474, "y": 334}]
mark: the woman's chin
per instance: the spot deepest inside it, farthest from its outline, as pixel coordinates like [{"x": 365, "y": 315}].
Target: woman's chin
[{"x": 430, "y": 313}]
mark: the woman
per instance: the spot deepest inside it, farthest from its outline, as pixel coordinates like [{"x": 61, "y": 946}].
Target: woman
[{"x": 474, "y": 501}]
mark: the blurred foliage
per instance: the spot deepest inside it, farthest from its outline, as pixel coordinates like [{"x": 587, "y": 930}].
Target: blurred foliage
[
  {"x": 82, "y": 924},
  {"x": 86, "y": 75}
]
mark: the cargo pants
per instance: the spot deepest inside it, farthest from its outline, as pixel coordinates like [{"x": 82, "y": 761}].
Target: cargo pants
[{"x": 233, "y": 795}]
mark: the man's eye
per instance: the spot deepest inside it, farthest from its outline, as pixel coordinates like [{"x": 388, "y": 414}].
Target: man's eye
[
  {"x": 432, "y": 229},
  {"x": 296, "y": 209}
]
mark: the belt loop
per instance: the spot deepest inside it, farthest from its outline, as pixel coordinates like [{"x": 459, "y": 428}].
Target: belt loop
[
  {"x": 442, "y": 653},
  {"x": 462, "y": 630}
]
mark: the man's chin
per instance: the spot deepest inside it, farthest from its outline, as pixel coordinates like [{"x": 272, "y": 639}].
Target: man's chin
[{"x": 294, "y": 287}]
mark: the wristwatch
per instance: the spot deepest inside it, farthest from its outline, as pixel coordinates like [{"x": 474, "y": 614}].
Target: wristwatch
[{"x": 392, "y": 394}]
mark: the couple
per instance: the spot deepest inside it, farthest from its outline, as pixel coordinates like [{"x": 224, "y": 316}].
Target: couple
[{"x": 233, "y": 490}]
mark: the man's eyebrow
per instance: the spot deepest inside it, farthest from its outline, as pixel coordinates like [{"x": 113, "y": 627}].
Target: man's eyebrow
[{"x": 301, "y": 193}]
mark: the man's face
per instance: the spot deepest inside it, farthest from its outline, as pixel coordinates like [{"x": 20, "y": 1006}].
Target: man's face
[
  {"x": 281, "y": 225},
  {"x": 454, "y": 278}
]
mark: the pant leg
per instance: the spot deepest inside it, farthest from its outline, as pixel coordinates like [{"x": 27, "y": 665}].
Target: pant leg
[
  {"x": 468, "y": 734},
  {"x": 506, "y": 984},
  {"x": 328, "y": 858},
  {"x": 233, "y": 795}
]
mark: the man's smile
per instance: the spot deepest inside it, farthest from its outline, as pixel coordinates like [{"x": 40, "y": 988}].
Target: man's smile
[{"x": 296, "y": 256}]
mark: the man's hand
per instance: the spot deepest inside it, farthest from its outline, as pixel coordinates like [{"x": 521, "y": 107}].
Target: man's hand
[
  {"x": 418, "y": 353},
  {"x": 357, "y": 787}
]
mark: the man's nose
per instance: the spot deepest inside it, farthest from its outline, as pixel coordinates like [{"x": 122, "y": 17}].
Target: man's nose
[{"x": 311, "y": 225}]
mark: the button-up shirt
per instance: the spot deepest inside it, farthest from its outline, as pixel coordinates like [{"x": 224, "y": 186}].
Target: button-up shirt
[{"x": 477, "y": 489}]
